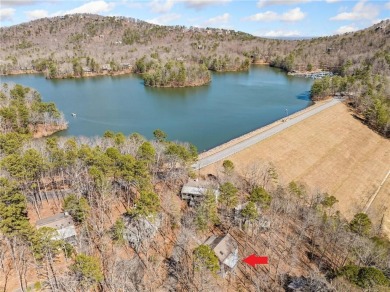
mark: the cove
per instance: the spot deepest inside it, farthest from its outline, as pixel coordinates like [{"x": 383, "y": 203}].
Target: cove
[{"x": 231, "y": 105}]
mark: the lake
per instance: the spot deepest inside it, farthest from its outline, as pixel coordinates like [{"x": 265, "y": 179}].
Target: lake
[{"x": 231, "y": 105}]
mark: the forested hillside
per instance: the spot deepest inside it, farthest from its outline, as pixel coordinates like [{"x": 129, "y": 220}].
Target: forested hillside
[
  {"x": 22, "y": 111},
  {"x": 130, "y": 228},
  {"x": 82, "y": 43},
  {"x": 174, "y": 56}
]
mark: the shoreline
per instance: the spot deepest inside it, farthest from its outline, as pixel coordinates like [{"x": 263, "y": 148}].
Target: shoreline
[
  {"x": 184, "y": 86},
  {"x": 130, "y": 71},
  {"x": 98, "y": 74},
  {"x": 208, "y": 152},
  {"x": 21, "y": 72},
  {"x": 42, "y": 131},
  {"x": 85, "y": 74},
  {"x": 262, "y": 129},
  {"x": 116, "y": 73}
]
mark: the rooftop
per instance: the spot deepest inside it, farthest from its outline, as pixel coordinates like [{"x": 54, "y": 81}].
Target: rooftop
[
  {"x": 225, "y": 248},
  {"x": 199, "y": 188},
  {"x": 58, "y": 221}
]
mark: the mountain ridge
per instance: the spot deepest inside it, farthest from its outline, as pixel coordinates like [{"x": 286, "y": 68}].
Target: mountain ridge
[{"x": 121, "y": 41}]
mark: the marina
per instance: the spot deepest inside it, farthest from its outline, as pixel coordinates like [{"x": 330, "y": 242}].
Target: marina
[{"x": 312, "y": 75}]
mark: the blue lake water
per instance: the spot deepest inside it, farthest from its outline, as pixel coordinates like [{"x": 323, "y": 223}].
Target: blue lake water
[{"x": 231, "y": 105}]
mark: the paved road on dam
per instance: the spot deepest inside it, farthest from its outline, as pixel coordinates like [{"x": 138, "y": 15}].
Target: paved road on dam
[{"x": 261, "y": 136}]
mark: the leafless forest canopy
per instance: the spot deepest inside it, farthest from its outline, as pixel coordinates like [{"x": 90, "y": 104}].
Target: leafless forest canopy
[
  {"x": 98, "y": 43},
  {"x": 128, "y": 227}
]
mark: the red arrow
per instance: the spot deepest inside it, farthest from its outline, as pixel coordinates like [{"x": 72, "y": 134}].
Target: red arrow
[{"x": 254, "y": 260}]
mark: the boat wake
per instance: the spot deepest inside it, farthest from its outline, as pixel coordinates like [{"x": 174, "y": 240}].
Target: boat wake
[{"x": 98, "y": 122}]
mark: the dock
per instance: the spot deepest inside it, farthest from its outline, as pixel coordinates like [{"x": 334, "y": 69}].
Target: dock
[{"x": 312, "y": 75}]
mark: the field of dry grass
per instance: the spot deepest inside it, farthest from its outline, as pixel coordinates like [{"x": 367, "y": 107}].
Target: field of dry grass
[{"x": 332, "y": 152}]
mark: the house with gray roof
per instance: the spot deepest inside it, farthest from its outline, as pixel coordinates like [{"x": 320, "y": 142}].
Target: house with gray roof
[
  {"x": 194, "y": 191},
  {"x": 226, "y": 249},
  {"x": 64, "y": 225}
]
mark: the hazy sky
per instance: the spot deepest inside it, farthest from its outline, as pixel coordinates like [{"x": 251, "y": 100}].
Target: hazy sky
[{"x": 271, "y": 18}]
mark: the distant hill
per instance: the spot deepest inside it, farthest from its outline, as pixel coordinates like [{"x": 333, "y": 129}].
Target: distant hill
[
  {"x": 89, "y": 43},
  {"x": 291, "y": 38},
  {"x": 173, "y": 56}
]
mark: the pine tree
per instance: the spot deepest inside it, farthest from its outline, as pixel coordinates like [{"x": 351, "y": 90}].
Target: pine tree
[
  {"x": 207, "y": 212},
  {"x": 78, "y": 208},
  {"x": 205, "y": 258},
  {"x": 261, "y": 197},
  {"x": 13, "y": 211},
  {"x": 228, "y": 195},
  {"x": 87, "y": 270},
  {"x": 147, "y": 205}
]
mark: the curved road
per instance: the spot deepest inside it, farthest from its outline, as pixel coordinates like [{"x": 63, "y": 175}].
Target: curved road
[{"x": 261, "y": 136}]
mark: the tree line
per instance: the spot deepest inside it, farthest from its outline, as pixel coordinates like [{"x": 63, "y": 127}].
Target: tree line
[
  {"x": 22, "y": 110},
  {"x": 365, "y": 88}
]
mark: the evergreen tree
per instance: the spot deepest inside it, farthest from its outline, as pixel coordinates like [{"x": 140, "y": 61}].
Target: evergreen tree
[
  {"x": 297, "y": 189},
  {"x": 361, "y": 224},
  {"x": 44, "y": 243},
  {"x": 260, "y": 197},
  {"x": 207, "y": 212},
  {"x": 13, "y": 211},
  {"x": 148, "y": 204},
  {"x": 228, "y": 167},
  {"x": 78, "y": 208},
  {"x": 146, "y": 152},
  {"x": 118, "y": 230},
  {"x": 250, "y": 211},
  {"x": 87, "y": 270},
  {"x": 228, "y": 195},
  {"x": 205, "y": 258},
  {"x": 159, "y": 135}
]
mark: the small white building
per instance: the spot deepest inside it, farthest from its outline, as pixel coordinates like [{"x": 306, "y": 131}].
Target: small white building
[
  {"x": 106, "y": 67},
  {"x": 87, "y": 69}
]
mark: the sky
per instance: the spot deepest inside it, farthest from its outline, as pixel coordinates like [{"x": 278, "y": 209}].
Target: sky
[{"x": 269, "y": 18}]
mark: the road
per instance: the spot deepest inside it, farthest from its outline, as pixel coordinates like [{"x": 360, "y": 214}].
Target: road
[{"x": 201, "y": 163}]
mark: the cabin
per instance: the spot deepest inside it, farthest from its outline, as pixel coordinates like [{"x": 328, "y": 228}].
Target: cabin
[
  {"x": 64, "y": 225},
  {"x": 194, "y": 191},
  {"x": 226, "y": 249}
]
